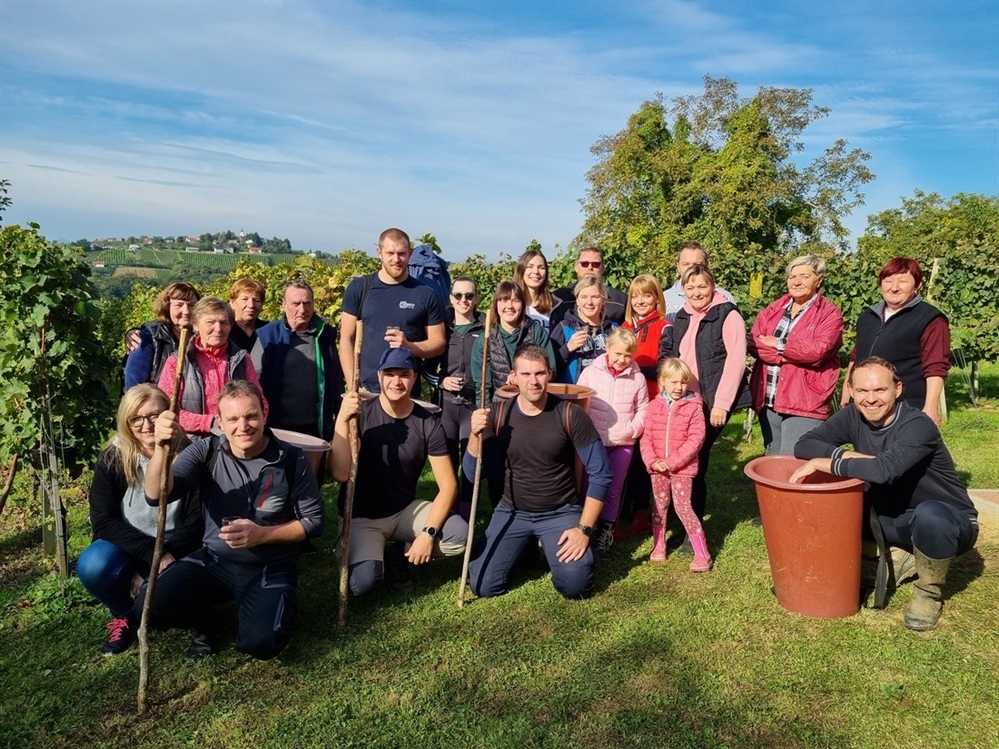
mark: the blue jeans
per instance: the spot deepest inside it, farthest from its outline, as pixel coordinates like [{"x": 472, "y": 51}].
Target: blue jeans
[
  {"x": 508, "y": 534},
  {"x": 106, "y": 571}
]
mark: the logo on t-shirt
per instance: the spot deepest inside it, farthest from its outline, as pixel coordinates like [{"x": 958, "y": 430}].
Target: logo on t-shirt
[{"x": 406, "y": 305}]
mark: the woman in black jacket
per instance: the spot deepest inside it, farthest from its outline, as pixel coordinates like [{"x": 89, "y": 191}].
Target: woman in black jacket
[{"x": 117, "y": 561}]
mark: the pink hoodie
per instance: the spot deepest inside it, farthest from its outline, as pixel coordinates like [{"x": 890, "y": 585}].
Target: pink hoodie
[{"x": 618, "y": 408}]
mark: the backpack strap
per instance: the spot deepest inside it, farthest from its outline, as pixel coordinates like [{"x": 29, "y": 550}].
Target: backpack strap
[{"x": 364, "y": 296}]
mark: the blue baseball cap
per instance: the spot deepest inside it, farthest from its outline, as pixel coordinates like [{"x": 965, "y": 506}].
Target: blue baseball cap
[{"x": 397, "y": 358}]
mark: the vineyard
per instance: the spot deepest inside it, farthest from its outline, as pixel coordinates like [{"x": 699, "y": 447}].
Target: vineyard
[{"x": 168, "y": 258}]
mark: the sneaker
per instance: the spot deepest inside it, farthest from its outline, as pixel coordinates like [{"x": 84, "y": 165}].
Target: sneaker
[
  {"x": 121, "y": 635},
  {"x": 202, "y": 644}
]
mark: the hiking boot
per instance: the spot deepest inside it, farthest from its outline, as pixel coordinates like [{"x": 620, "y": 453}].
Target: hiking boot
[
  {"x": 686, "y": 549},
  {"x": 121, "y": 635},
  {"x": 603, "y": 539},
  {"x": 927, "y": 597},
  {"x": 202, "y": 644}
]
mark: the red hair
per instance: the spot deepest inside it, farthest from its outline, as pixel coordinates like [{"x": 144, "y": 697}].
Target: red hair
[{"x": 899, "y": 265}]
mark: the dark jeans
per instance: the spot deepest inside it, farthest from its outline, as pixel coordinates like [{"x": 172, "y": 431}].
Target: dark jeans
[
  {"x": 509, "y": 533},
  {"x": 456, "y": 420},
  {"x": 266, "y": 601},
  {"x": 937, "y": 529}
]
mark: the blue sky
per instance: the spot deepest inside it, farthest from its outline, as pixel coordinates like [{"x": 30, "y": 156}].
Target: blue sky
[{"x": 326, "y": 122}]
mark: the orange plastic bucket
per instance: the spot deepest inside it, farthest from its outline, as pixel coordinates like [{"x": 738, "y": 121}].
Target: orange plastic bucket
[{"x": 813, "y": 534}]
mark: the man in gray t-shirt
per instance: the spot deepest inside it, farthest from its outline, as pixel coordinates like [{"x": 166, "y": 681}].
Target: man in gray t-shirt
[{"x": 260, "y": 503}]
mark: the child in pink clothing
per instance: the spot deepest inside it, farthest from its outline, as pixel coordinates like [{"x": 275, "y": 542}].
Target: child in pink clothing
[
  {"x": 674, "y": 433},
  {"x": 617, "y": 410}
]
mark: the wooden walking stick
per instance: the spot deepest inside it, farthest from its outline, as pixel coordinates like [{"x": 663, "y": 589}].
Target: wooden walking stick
[
  {"x": 348, "y": 502},
  {"x": 477, "y": 481},
  {"x": 154, "y": 567}
]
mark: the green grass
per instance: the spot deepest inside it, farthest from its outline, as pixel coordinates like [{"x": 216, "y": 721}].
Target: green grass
[{"x": 658, "y": 658}]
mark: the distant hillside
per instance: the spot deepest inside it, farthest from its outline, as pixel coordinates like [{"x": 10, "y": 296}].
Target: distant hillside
[{"x": 146, "y": 258}]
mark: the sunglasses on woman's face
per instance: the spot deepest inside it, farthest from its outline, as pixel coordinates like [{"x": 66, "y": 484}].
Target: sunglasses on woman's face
[{"x": 459, "y": 296}]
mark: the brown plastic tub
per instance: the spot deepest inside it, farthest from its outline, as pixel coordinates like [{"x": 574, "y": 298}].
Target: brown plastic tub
[
  {"x": 579, "y": 394},
  {"x": 813, "y": 535}
]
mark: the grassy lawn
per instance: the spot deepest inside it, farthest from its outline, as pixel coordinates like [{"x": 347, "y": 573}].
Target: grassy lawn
[{"x": 658, "y": 658}]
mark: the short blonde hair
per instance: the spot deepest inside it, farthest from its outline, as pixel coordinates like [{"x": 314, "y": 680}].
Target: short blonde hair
[
  {"x": 250, "y": 286},
  {"x": 694, "y": 271},
  {"x": 671, "y": 366},
  {"x": 624, "y": 337}
]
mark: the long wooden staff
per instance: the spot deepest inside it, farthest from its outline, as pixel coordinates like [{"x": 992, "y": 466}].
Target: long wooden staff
[
  {"x": 348, "y": 502},
  {"x": 477, "y": 482},
  {"x": 154, "y": 568}
]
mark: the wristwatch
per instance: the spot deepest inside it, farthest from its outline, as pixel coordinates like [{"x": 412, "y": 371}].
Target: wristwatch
[
  {"x": 431, "y": 531},
  {"x": 586, "y": 529}
]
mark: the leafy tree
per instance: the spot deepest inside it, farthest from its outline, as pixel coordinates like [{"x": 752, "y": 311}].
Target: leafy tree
[
  {"x": 51, "y": 359},
  {"x": 723, "y": 171}
]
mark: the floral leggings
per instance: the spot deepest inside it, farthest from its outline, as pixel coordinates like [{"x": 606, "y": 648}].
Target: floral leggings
[{"x": 680, "y": 487}]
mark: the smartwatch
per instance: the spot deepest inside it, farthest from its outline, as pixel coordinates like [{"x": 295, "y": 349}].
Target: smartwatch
[
  {"x": 586, "y": 529},
  {"x": 432, "y": 532}
]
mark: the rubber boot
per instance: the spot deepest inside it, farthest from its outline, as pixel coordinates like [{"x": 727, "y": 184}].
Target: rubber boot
[
  {"x": 702, "y": 559},
  {"x": 927, "y": 599},
  {"x": 658, "y": 544},
  {"x": 640, "y": 524},
  {"x": 903, "y": 563}
]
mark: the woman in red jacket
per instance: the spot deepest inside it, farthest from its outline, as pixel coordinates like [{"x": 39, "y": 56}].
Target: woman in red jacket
[{"x": 796, "y": 342}]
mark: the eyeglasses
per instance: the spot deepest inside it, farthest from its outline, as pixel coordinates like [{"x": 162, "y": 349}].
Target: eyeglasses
[
  {"x": 136, "y": 421},
  {"x": 468, "y": 295},
  {"x": 590, "y": 263}
]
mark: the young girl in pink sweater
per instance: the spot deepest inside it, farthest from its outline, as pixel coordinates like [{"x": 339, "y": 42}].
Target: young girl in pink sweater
[
  {"x": 674, "y": 433},
  {"x": 617, "y": 410}
]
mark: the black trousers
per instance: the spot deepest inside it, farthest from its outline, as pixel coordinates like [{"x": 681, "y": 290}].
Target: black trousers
[{"x": 266, "y": 599}]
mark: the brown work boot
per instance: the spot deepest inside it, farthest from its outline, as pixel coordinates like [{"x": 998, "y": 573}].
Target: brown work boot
[{"x": 923, "y": 613}]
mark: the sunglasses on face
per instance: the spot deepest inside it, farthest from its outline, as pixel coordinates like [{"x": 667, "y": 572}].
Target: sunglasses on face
[
  {"x": 468, "y": 295},
  {"x": 590, "y": 263}
]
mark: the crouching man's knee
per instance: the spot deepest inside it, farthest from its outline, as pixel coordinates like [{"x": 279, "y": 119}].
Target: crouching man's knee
[{"x": 365, "y": 576}]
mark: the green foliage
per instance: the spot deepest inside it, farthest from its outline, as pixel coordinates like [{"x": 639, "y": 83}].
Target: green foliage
[
  {"x": 721, "y": 173},
  {"x": 486, "y": 274},
  {"x": 49, "y": 322}
]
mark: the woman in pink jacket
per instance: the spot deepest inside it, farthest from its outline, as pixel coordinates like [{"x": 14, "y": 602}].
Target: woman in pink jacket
[
  {"x": 674, "y": 433},
  {"x": 617, "y": 410},
  {"x": 212, "y": 360},
  {"x": 796, "y": 342}
]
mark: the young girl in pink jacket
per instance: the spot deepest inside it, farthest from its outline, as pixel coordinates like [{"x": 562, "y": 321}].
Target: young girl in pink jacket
[
  {"x": 674, "y": 433},
  {"x": 617, "y": 410}
]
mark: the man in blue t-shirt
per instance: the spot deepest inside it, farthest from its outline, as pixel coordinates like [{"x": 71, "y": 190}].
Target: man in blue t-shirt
[{"x": 397, "y": 311}]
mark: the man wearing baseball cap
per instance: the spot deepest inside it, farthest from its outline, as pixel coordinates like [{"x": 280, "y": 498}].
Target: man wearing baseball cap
[{"x": 397, "y": 436}]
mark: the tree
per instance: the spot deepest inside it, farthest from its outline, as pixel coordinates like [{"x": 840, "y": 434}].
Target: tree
[
  {"x": 54, "y": 373},
  {"x": 723, "y": 171}
]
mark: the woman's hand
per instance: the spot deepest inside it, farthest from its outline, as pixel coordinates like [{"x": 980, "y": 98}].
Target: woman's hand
[
  {"x": 718, "y": 417},
  {"x": 578, "y": 340}
]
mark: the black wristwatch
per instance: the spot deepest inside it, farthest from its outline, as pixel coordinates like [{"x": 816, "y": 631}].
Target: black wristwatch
[
  {"x": 431, "y": 531},
  {"x": 586, "y": 529}
]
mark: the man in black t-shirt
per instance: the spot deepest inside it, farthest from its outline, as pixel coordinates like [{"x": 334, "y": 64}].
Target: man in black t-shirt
[
  {"x": 397, "y": 437},
  {"x": 397, "y": 311},
  {"x": 538, "y": 436}
]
